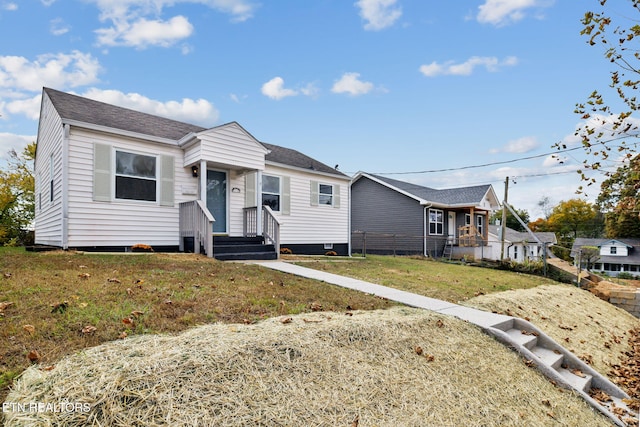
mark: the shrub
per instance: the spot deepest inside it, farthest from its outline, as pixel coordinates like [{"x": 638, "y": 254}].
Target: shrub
[
  {"x": 141, "y": 247},
  {"x": 331, "y": 253},
  {"x": 286, "y": 251}
]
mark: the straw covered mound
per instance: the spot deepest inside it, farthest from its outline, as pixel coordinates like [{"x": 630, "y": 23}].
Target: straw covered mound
[
  {"x": 385, "y": 368},
  {"x": 592, "y": 329}
]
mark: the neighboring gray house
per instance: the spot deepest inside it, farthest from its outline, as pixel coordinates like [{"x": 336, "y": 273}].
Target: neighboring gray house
[
  {"x": 108, "y": 178},
  {"x": 518, "y": 245},
  {"x": 616, "y": 255},
  {"x": 392, "y": 216}
]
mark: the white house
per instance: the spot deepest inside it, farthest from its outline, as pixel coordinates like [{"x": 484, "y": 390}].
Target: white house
[
  {"x": 615, "y": 256},
  {"x": 109, "y": 178},
  {"x": 519, "y": 246}
]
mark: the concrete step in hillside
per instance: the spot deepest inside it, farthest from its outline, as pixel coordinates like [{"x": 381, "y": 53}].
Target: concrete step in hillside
[{"x": 565, "y": 369}]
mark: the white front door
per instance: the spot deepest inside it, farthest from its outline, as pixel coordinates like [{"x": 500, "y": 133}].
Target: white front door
[{"x": 451, "y": 227}]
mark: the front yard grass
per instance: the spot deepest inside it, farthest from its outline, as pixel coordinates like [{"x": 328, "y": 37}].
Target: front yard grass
[{"x": 446, "y": 281}]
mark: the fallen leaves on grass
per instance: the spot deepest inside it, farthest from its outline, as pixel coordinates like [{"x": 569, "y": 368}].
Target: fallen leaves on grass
[
  {"x": 113, "y": 280},
  {"x": 33, "y": 356},
  {"x": 4, "y": 305},
  {"x": 30, "y": 329},
  {"x": 89, "y": 329},
  {"x": 84, "y": 276},
  {"x": 59, "y": 307}
]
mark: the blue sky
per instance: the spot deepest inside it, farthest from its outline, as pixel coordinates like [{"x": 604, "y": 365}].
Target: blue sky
[{"x": 383, "y": 86}]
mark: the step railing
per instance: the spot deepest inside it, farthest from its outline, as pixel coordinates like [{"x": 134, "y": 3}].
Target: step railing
[
  {"x": 196, "y": 222},
  {"x": 271, "y": 228}
]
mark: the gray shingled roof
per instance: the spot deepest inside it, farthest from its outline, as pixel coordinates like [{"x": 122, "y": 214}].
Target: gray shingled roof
[
  {"x": 632, "y": 258},
  {"x": 85, "y": 110},
  {"x": 451, "y": 196},
  {"x": 512, "y": 235}
]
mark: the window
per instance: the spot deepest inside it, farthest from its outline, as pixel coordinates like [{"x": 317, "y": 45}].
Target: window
[
  {"x": 325, "y": 194},
  {"x": 135, "y": 176},
  {"x": 467, "y": 219},
  {"x": 515, "y": 253},
  {"x": 480, "y": 225},
  {"x": 271, "y": 192},
  {"x": 51, "y": 174},
  {"x": 613, "y": 250},
  {"x": 436, "y": 221}
]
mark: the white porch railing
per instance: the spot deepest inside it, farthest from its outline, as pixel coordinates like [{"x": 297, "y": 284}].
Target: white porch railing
[
  {"x": 197, "y": 222},
  {"x": 270, "y": 226}
]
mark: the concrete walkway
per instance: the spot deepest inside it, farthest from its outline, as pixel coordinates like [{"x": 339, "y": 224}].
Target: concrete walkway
[
  {"x": 552, "y": 359},
  {"x": 478, "y": 317}
]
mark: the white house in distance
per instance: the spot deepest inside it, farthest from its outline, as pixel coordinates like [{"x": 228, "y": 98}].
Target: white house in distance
[
  {"x": 110, "y": 178},
  {"x": 615, "y": 255},
  {"x": 519, "y": 246}
]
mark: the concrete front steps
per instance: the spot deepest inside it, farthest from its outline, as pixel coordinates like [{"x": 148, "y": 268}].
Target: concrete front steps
[
  {"x": 564, "y": 368},
  {"x": 242, "y": 249}
]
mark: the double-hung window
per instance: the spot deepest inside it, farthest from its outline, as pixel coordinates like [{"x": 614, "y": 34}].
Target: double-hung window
[
  {"x": 271, "y": 192},
  {"x": 436, "y": 223},
  {"x": 135, "y": 176},
  {"x": 325, "y": 194}
]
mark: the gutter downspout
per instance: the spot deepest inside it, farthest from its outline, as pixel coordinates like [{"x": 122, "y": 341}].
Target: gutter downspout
[
  {"x": 64, "y": 186},
  {"x": 349, "y": 220},
  {"x": 424, "y": 229}
]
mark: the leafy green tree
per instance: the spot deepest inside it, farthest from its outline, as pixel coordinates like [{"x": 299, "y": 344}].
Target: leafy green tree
[
  {"x": 512, "y": 222},
  {"x": 588, "y": 256},
  {"x": 609, "y": 129},
  {"x": 17, "y": 201},
  {"x": 619, "y": 200}
]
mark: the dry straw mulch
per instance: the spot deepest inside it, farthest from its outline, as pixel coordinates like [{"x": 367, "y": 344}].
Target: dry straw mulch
[
  {"x": 399, "y": 367},
  {"x": 592, "y": 329}
]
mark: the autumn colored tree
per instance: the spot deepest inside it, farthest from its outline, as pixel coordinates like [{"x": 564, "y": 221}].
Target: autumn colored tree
[
  {"x": 17, "y": 201},
  {"x": 619, "y": 200},
  {"x": 608, "y": 129},
  {"x": 575, "y": 218}
]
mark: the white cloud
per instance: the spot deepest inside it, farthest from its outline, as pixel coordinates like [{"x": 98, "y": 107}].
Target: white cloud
[
  {"x": 275, "y": 89},
  {"x": 54, "y": 70},
  {"x": 502, "y": 12},
  {"x": 137, "y": 23},
  {"x": 47, "y": 2},
  {"x": 350, "y": 83},
  {"x": 144, "y": 33},
  {"x": 28, "y": 107},
  {"x": 57, "y": 27},
  {"x": 378, "y": 14},
  {"x": 198, "y": 111},
  {"x": 520, "y": 145},
  {"x": 10, "y": 6},
  {"x": 490, "y": 63},
  {"x": 10, "y": 141}
]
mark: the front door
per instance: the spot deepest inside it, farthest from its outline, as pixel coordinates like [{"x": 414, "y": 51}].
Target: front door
[
  {"x": 217, "y": 199},
  {"x": 451, "y": 227}
]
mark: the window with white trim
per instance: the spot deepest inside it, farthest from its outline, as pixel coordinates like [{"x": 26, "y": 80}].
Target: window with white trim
[
  {"x": 480, "y": 225},
  {"x": 271, "y": 193},
  {"x": 436, "y": 222},
  {"x": 135, "y": 176},
  {"x": 325, "y": 194},
  {"x": 613, "y": 250}
]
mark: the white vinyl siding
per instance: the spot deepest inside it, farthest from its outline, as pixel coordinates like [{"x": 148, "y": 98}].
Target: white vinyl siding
[
  {"x": 309, "y": 224},
  {"x": 227, "y": 146},
  {"x": 123, "y": 222},
  {"x": 48, "y": 220}
]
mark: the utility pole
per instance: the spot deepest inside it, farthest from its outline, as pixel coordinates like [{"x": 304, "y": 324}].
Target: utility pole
[{"x": 503, "y": 225}]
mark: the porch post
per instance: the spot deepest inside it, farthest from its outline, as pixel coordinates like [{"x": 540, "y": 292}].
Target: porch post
[
  {"x": 259, "y": 203},
  {"x": 203, "y": 181}
]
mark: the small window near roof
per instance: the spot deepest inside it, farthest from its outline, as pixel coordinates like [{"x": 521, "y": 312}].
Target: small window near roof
[
  {"x": 613, "y": 250},
  {"x": 325, "y": 194}
]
